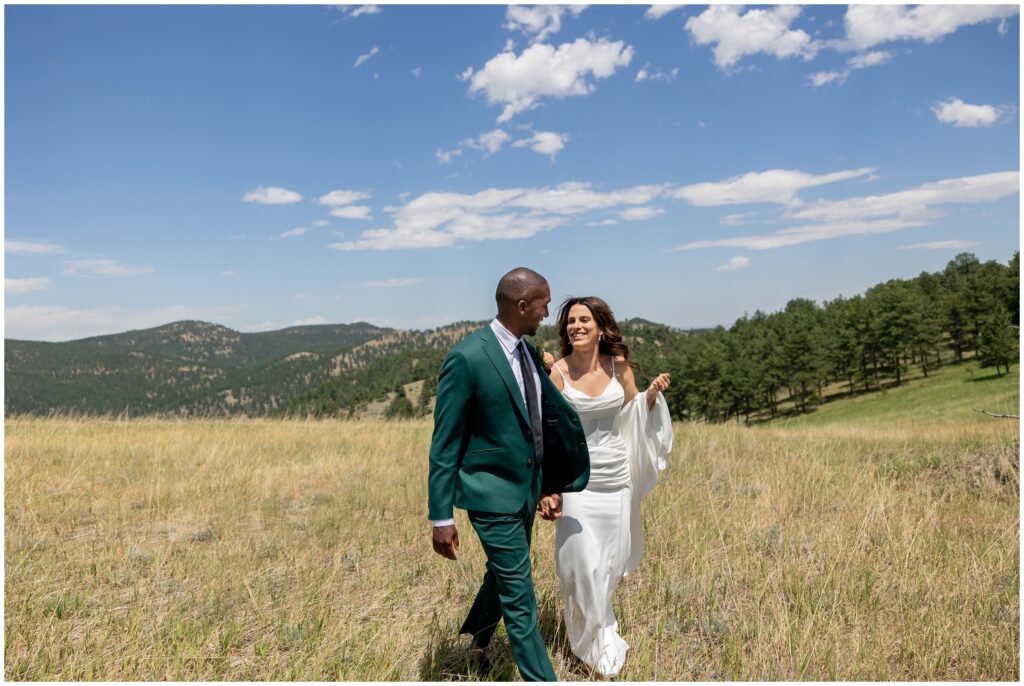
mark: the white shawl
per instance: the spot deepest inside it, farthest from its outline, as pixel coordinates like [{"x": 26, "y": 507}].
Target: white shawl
[{"x": 648, "y": 437}]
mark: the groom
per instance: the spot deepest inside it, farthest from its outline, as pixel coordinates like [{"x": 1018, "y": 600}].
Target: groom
[{"x": 503, "y": 434}]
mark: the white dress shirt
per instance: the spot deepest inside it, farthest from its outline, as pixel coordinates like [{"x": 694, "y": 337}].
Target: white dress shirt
[{"x": 509, "y": 343}]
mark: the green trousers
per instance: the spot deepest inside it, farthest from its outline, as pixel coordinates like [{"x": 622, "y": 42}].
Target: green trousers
[{"x": 507, "y": 591}]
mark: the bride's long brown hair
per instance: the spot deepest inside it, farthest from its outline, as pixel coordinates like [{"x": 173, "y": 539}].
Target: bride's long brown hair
[{"x": 610, "y": 344}]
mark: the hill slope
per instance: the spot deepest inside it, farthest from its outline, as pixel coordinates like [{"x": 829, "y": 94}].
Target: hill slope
[
  {"x": 184, "y": 368},
  {"x": 946, "y": 397}
]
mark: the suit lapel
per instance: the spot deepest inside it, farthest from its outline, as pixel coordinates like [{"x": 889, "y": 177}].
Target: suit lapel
[{"x": 496, "y": 355}]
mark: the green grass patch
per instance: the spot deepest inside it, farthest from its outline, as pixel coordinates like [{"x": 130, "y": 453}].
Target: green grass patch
[{"x": 947, "y": 395}]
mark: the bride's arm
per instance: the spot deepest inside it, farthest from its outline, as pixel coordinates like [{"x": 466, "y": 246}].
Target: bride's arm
[{"x": 660, "y": 383}]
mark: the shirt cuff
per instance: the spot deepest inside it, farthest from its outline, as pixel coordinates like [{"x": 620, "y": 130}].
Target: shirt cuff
[{"x": 442, "y": 522}]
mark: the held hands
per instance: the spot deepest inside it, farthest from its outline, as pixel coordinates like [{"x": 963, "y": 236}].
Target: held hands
[
  {"x": 549, "y": 360},
  {"x": 550, "y": 506},
  {"x": 446, "y": 541}
]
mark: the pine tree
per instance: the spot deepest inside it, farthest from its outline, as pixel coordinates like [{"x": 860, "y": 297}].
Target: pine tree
[{"x": 998, "y": 345}]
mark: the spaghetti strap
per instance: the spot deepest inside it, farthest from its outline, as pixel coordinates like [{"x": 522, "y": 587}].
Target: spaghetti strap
[
  {"x": 564, "y": 381},
  {"x": 613, "y": 366}
]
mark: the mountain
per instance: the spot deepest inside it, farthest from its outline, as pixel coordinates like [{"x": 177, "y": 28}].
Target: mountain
[
  {"x": 184, "y": 368},
  {"x": 192, "y": 368}
]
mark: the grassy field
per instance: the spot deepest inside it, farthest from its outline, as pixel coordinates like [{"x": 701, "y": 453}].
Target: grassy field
[{"x": 282, "y": 550}]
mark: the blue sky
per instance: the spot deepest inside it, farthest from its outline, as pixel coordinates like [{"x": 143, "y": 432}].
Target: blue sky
[{"x": 262, "y": 166}]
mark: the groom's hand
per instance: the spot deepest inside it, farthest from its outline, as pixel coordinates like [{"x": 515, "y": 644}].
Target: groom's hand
[{"x": 446, "y": 541}]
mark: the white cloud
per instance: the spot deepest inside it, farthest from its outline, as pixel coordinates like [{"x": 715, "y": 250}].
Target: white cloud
[
  {"x": 869, "y": 59},
  {"x": 318, "y": 319},
  {"x": 352, "y": 212},
  {"x": 606, "y": 222},
  {"x": 417, "y": 72},
  {"x": 365, "y": 56},
  {"x": 229, "y": 272},
  {"x": 777, "y": 186},
  {"x": 544, "y": 142},
  {"x": 365, "y": 9},
  {"x": 874, "y": 214},
  {"x": 738, "y": 262},
  {"x": 271, "y": 196},
  {"x": 297, "y": 231},
  {"x": 538, "y": 21},
  {"x": 59, "y": 323},
  {"x": 802, "y": 234},
  {"x": 436, "y": 219},
  {"x": 737, "y": 35},
  {"x": 489, "y": 143},
  {"x": 640, "y": 213},
  {"x": 658, "y": 11},
  {"x": 393, "y": 283},
  {"x": 940, "y": 245},
  {"x": 645, "y": 75},
  {"x": 1002, "y": 28},
  {"x": 103, "y": 268},
  {"x": 320, "y": 222},
  {"x": 35, "y": 247},
  {"x": 542, "y": 71},
  {"x": 738, "y": 218},
  {"x": 354, "y": 11},
  {"x": 342, "y": 197},
  {"x": 962, "y": 115},
  {"x": 820, "y": 78},
  {"x": 444, "y": 157},
  {"x": 19, "y": 286},
  {"x": 262, "y": 326},
  {"x": 870, "y": 25},
  {"x": 915, "y": 203},
  {"x": 863, "y": 61}
]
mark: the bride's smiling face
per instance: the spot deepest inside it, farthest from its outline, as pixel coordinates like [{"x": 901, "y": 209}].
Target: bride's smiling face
[{"x": 581, "y": 327}]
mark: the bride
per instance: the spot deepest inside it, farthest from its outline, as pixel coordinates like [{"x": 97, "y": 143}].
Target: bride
[{"x": 598, "y": 535}]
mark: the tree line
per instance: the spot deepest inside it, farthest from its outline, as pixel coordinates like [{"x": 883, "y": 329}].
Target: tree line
[{"x": 971, "y": 308}]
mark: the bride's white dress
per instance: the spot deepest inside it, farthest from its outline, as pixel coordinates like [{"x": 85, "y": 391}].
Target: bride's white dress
[{"x": 599, "y": 537}]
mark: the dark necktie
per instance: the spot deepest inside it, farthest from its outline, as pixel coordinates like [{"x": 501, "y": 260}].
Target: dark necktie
[{"x": 532, "y": 403}]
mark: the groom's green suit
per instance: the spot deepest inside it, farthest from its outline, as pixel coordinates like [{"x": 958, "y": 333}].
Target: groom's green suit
[{"x": 482, "y": 459}]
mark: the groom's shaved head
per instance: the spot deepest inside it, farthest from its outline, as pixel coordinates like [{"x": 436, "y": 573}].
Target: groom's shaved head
[{"x": 515, "y": 286}]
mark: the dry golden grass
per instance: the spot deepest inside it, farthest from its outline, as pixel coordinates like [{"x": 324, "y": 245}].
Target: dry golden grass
[{"x": 277, "y": 550}]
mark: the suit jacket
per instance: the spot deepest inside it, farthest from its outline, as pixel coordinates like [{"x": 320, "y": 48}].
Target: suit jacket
[{"x": 481, "y": 453}]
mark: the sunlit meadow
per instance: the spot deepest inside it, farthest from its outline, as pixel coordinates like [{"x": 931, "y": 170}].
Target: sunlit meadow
[{"x": 269, "y": 550}]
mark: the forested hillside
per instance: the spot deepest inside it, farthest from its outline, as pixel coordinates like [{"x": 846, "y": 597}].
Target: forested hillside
[
  {"x": 846, "y": 345},
  {"x": 183, "y": 368},
  {"x": 788, "y": 361}
]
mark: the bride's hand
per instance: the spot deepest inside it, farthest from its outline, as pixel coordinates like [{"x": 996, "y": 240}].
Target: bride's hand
[{"x": 660, "y": 383}]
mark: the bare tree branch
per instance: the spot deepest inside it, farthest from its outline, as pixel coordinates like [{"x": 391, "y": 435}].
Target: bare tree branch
[{"x": 998, "y": 416}]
